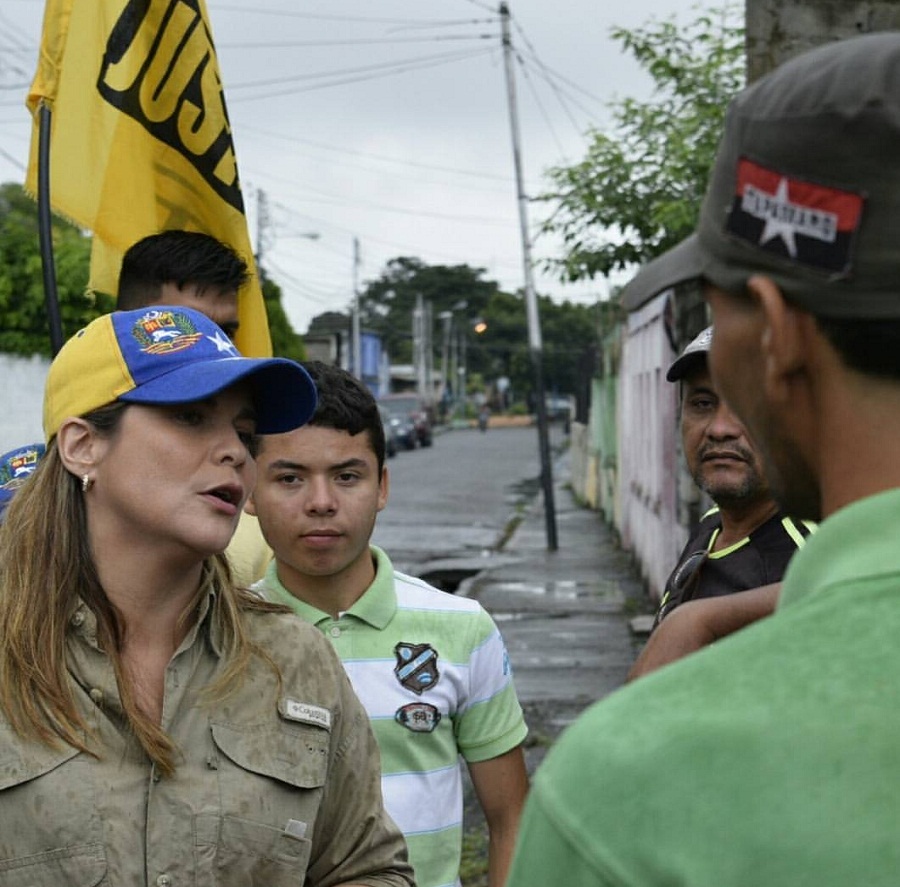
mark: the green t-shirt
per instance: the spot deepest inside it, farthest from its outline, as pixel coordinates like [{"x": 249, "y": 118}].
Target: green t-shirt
[{"x": 770, "y": 758}]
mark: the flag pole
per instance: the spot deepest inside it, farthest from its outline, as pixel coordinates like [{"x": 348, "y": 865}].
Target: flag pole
[{"x": 45, "y": 234}]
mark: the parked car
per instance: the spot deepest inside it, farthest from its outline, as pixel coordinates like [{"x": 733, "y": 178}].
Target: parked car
[
  {"x": 559, "y": 407},
  {"x": 391, "y": 439},
  {"x": 399, "y": 432},
  {"x": 412, "y": 408}
]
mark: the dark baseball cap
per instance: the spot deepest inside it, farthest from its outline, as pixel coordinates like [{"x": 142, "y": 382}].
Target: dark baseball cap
[
  {"x": 693, "y": 356},
  {"x": 805, "y": 187}
]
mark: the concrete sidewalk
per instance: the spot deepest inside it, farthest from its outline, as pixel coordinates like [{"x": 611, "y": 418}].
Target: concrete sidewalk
[{"x": 564, "y": 615}]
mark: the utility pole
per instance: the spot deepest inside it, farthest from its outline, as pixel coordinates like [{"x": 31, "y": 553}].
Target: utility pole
[
  {"x": 262, "y": 223},
  {"x": 447, "y": 317},
  {"x": 354, "y": 334},
  {"x": 534, "y": 322},
  {"x": 429, "y": 352},
  {"x": 419, "y": 345}
]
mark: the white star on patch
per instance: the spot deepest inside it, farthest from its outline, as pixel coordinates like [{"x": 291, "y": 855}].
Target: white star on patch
[
  {"x": 223, "y": 343},
  {"x": 786, "y": 230}
]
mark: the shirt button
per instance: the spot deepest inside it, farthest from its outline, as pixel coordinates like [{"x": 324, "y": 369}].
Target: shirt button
[
  {"x": 335, "y": 631},
  {"x": 163, "y": 881},
  {"x": 96, "y": 695},
  {"x": 78, "y": 618}
]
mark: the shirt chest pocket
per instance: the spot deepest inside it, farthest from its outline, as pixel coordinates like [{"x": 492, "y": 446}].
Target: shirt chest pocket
[
  {"x": 50, "y": 832},
  {"x": 270, "y": 787}
]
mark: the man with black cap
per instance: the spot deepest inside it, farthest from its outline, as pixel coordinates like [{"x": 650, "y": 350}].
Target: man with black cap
[
  {"x": 771, "y": 757},
  {"x": 744, "y": 541}
]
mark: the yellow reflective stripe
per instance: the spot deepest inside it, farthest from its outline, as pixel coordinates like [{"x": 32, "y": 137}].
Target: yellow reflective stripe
[{"x": 791, "y": 529}]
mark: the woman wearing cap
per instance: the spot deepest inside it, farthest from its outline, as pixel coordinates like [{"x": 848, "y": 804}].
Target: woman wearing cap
[{"x": 157, "y": 725}]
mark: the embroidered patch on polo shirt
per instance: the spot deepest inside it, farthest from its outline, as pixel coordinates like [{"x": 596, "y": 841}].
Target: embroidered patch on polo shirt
[
  {"x": 808, "y": 223},
  {"x": 420, "y": 717}
]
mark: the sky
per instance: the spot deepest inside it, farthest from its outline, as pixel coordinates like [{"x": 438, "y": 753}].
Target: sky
[{"x": 387, "y": 125}]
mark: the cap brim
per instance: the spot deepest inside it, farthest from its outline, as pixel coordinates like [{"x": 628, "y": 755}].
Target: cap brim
[
  {"x": 283, "y": 392},
  {"x": 680, "y": 264},
  {"x": 685, "y": 365}
]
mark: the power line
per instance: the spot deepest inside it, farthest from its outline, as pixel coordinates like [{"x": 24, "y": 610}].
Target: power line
[
  {"x": 537, "y": 100},
  {"x": 481, "y": 5},
  {"x": 336, "y": 199},
  {"x": 334, "y": 18},
  {"x": 384, "y": 158},
  {"x": 548, "y": 70},
  {"x": 364, "y": 69},
  {"x": 355, "y": 41},
  {"x": 347, "y": 80}
]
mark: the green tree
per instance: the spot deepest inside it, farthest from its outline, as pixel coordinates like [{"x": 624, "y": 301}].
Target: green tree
[
  {"x": 24, "y": 329},
  {"x": 638, "y": 191},
  {"x": 568, "y": 331},
  {"x": 285, "y": 342},
  {"x": 387, "y": 304}
]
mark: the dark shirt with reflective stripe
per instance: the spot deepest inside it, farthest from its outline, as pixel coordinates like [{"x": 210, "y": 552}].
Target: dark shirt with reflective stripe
[{"x": 758, "y": 559}]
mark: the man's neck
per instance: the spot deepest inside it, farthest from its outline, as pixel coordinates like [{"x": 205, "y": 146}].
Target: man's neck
[
  {"x": 332, "y": 594},
  {"x": 739, "y": 521}
]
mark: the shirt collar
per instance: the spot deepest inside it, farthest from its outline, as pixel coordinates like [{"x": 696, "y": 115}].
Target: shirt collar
[
  {"x": 376, "y": 606},
  {"x": 83, "y": 622},
  {"x": 850, "y": 545}
]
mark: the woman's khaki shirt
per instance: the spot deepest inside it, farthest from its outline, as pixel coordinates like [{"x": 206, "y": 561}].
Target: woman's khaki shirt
[{"x": 272, "y": 788}]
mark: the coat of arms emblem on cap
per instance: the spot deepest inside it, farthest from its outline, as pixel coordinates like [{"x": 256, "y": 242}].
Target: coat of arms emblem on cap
[{"x": 164, "y": 331}]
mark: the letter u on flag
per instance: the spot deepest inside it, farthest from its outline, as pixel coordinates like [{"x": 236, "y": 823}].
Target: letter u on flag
[{"x": 140, "y": 138}]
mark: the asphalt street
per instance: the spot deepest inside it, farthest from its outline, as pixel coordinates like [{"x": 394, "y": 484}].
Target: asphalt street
[{"x": 468, "y": 515}]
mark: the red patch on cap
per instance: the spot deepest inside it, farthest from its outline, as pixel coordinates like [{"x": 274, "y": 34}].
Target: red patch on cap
[{"x": 802, "y": 221}]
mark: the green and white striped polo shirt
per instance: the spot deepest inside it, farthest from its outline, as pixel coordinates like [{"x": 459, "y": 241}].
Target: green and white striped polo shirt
[{"x": 432, "y": 671}]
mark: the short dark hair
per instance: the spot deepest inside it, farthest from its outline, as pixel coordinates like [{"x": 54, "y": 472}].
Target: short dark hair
[
  {"x": 868, "y": 346},
  {"x": 178, "y": 257},
  {"x": 346, "y": 404}
]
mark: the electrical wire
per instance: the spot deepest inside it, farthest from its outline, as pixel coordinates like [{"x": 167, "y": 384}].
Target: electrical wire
[
  {"x": 384, "y": 158},
  {"x": 323, "y": 75},
  {"x": 347, "y": 80},
  {"x": 355, "y": 41}
]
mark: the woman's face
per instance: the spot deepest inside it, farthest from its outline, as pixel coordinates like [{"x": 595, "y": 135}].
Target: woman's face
[{"x": 175, "y": 476}]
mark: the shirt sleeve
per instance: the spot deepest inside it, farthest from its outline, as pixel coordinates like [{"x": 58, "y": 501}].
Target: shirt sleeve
[
  {"x": 490, "y": 720},
  {"x": 546, "y": 854}
]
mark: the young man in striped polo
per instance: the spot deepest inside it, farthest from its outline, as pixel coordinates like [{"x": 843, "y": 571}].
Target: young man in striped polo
[{"x": 430, "y": 668}]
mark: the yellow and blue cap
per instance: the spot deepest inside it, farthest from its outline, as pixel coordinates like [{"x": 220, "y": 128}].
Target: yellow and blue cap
[{"x": 167, "y": 354}]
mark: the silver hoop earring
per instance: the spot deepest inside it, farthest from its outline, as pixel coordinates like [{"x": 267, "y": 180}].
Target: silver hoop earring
[{"x": 86, "y": 482}]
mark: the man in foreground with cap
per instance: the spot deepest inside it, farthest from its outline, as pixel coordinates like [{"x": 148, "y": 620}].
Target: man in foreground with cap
[
  {"x": 771, "y": 757},
  {"x": 744, "y": 541}
]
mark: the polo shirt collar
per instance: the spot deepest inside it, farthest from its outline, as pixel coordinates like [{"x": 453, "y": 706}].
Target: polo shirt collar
[{"x": 376, "y": 607}]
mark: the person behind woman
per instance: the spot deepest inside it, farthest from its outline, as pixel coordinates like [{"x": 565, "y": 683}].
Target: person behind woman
[{"x": 158, "y": 725}]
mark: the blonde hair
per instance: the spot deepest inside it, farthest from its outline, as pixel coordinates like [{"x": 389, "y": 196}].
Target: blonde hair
[{"x": 46, "y": 572}]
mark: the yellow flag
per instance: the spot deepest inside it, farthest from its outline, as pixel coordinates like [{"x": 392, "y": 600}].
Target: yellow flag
[{"x": 140, "y": 138}]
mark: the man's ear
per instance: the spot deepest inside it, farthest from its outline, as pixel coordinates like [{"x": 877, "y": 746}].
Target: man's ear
[
  {"x": 384, "y": 487},
  {"x": 79, "y": 446},
  {"x": 784, "y": 340}
]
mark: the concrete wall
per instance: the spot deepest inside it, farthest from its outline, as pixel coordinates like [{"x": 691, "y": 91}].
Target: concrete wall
[
  {"x": 780, "y": 29},
  {"x": 648, "y": 462},
  {"x": 22, "y": 380}
]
